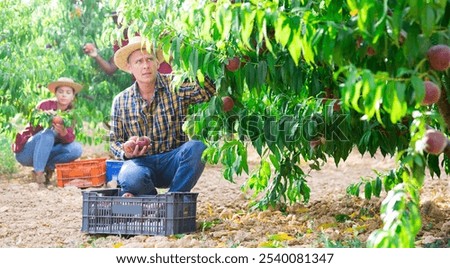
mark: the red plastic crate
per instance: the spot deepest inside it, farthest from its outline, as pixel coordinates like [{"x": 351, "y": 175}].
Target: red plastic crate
[{"x": 82, "y": 173}]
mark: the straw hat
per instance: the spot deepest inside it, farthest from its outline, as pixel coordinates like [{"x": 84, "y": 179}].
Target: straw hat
[
  {"x": 121, "y": 55},
  {"x": 64, "y": 81}
]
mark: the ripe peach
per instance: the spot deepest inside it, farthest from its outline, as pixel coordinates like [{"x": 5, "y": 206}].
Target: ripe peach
[
  {"x": 371, "y": 51},
  {"x": 57, "y": 120},
  {"x": 143, "y": 141},
  {"x": 233, "y": 64},
  {"x": 228, "y": 103},
  {"x": 439, "y": 57},
  {"x": 134, "y": 138},
  {"x": 432, "y": 93},
  {"x": 435, "y": 142},
  {"x": 337, "y": 106},
  {"x": 129, "y": 146}
]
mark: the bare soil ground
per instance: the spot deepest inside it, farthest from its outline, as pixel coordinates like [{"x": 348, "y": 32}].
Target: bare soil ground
[{"x": 49, "y": 218}]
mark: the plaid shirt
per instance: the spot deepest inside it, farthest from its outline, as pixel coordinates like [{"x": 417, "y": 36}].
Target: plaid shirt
[{"x": 161, "y": 120}]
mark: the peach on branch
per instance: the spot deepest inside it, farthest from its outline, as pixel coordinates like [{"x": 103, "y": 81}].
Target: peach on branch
[
  {"x": 435, "y": 142},
  {"x": 432, "y": 93},
  {"x": 228, "y": 103},
  {"x": 233, "y": 64},
  {"x": 439, "y": 57}
]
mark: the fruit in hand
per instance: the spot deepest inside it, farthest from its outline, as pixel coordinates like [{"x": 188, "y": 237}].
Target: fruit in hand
[
  {"x": 435, "y": 142},
  {"x": 134, "y": 138},
  {"x": 90, "y": 49},
  {"x": 233, "y": 64},
  {"x": 439, "y": 57},
  {"x": 228, "y": 103},
  {"x": 143, "y": 141},
  {"x": 432, "y": 93},
  {"x": 129, "y": 146},
  {"x": 57, "y": 120}
]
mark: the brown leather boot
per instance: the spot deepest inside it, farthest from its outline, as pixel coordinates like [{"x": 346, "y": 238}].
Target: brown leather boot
[
  {"x": 48, "y": 175},
  {"x": 39, "y": 178}
]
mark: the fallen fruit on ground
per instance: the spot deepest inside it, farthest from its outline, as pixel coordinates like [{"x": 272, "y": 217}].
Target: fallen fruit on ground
[
  {"x": 435, "y": 142},
  {"x": 432, "y": 93},
  {"x": 439, "y": 57}
]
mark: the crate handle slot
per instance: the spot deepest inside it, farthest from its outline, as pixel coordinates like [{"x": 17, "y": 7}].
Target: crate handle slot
[{"x": 127, "y": 210}]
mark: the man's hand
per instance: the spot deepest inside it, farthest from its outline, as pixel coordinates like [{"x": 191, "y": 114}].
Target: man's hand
[
  {"x": 90, "y": 50},
  {"x": 131, "y": 150}
]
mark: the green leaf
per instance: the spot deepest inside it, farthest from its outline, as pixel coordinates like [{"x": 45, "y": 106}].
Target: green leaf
[
  {"x": 275, "y": 161},
  {"x": 377, "y": 187},
  {"x": 368, "y": 190},
  {"x": 248, "y": 18},
  {"x": 224, "y": 17},
  {"x": 428, "y": 20},
  {"x": 295, "y": 44},
  {"x": 419, "y": 88},
  {"x": 282, "y": 29}
]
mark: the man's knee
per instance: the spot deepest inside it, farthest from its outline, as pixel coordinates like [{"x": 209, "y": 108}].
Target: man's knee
[{"x": 196, "y": 147}]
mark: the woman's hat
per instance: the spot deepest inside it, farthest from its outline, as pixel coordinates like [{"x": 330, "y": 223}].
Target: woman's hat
[
  {"x": 121, "y": 55},
  {"x": 64, "y": 81}
]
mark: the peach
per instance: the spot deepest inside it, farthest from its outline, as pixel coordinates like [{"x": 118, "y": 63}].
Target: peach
[
  {"x": 134, "y": 138},
  {"x": 228, "y": 103},
  {"x": 439, "y": 57},
  {"x": 129, "y": 146},
  {"x": 233, "y": 64},
  {"x": 143, "y": 141},
  {"x": 432, "y": 93},
  {"x": 435, "y": 142},
  {"x": 57, "y": 120}
]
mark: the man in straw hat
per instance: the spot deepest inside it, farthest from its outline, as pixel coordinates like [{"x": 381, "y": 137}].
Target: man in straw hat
[
  {"x": 149, "y": 108},
  {"x": 43, "y": 148}
]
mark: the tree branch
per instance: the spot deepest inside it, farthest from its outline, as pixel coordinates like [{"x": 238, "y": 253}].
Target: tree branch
[{"x": 444, "y": 107}]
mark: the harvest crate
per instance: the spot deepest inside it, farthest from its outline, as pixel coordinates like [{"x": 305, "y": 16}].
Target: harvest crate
[
  {"x": 105, "y": 212},
  {"x": 82, "y": 173},
  {"x": 112, "y": 169}
]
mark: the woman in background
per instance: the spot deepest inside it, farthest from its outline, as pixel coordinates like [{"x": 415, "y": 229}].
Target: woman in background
[{"x": 42, "y": 148}]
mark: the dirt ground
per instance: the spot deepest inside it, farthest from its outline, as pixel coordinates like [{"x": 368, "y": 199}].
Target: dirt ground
[{"x": 51, "y": 218}]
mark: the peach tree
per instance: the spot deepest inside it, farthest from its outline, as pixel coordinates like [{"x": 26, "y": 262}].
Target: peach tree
[
  {"x": 312, "y": 80},
  {"x": 309, "y": 80}
]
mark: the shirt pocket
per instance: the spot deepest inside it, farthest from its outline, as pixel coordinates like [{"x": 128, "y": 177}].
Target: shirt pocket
[{"x": 135, "y": 125}]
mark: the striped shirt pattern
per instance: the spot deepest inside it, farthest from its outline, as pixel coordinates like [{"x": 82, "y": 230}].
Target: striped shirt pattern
[{"x": 161, "y": 120}]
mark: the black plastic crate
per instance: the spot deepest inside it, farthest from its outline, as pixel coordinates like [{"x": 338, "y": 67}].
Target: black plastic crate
[{"x": 105, "y": 212}]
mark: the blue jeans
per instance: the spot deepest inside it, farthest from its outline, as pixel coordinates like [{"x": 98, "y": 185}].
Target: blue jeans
[
  {"x": 41, "y": 152},
  {"x": 178, "y": 170}
]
